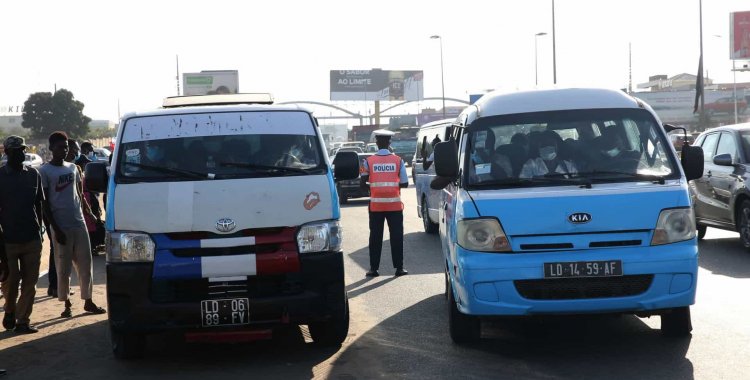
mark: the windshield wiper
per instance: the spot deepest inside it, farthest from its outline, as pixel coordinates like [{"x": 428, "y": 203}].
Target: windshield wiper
[
  {"x": 647, "y": 177},
  {"x": 534, "y": 180},
  {"x": 248, "y": 165},
  {"x": 175, "y": 172}
]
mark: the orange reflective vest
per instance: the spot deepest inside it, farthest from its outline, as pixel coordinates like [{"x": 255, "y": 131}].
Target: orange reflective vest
[{"x": 385, "y": 194}]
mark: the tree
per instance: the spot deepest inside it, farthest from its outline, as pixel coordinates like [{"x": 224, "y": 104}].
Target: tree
[{"x": 44, "y": 113}]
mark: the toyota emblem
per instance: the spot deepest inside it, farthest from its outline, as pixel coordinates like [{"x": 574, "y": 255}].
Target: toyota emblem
[{"x": 225, "y": 225}]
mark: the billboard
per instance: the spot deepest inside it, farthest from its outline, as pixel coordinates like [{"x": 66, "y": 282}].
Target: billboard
[
  {"x": 376, "y": 84},
  {"x": 677, "y": 106},
  {"x": 739, "y": 32},
  {"x": 211, "y": 82}
]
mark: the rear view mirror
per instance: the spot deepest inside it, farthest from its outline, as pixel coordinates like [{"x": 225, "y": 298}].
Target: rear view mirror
[
  {"x": 96, "y": 177},
  {"x": 446, "y": 162},
  {"x": 346, "y": 166},
  {"x": 692, "y": 161},
  {"x": 724, "y": 160}
]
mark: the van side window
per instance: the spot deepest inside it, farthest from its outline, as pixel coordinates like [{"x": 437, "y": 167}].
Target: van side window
[
  {"x": 709, "y": 147},
  {"x": 727, "y": 145}
]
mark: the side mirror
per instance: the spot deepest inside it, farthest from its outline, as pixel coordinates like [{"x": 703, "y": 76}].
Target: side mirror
[
  {"x": 346, "y": 166},
  {"x": 724, "y": 160},
  {"x": 97, "y": 177},
  {"x": 692, "y": 162},
  {"x": 446, "y": 162}
]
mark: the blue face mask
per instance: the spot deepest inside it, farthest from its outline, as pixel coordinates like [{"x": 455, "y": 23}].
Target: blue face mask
[
  {"x": 154, "y": 153},
  {"x": 77, "y": 156}
]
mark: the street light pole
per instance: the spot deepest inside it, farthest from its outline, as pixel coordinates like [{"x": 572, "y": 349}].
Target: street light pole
[
  {"x": 442, "y": 75},
  {"x": 734, "y": 84},
  {"x": 536, "y": 64},
  {"x": 554, "y": 53}
]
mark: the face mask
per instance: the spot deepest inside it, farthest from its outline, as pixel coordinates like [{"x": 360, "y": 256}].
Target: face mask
[
  {"x": 77, "y": 156},
  {"x": 90, "y": 156},
  {"x": 612, "y": 152},
  {"x": 154, "y": 153},
  {"x": 548, "y": 153}
]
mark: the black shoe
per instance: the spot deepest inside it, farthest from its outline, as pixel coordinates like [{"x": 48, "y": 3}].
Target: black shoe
[
  {"x": 401, "y": 272},
  {"x": 372, "y": 273},
  {"x": 24, "y": 328},
  {"x": 9, "y": 321},
  {"x": 67, "y": 313},
  {"x": 3, "y": 372},
  {"x": 52, "y": 292},
  {"x": 91, "y": 307}
]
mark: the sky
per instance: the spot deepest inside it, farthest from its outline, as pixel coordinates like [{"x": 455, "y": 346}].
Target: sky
[{"x": 110, "y": 52}]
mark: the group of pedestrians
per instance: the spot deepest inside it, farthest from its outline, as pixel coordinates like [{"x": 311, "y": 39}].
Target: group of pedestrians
[{"x": 47, "y": 201}]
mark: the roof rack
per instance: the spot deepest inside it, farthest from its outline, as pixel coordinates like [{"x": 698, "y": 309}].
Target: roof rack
[{"x": 213, "y": 100}]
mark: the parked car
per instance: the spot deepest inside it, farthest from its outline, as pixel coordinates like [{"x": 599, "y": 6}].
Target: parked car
[
  {"x": 102, "y": 154},
  {"x": 520, "y": 238},
  {"x": 350, "y": 188},
  {"x": 32, "y": 160},
  {"x": 725, "y": 105},
  {"x": 721, "y": 197}
]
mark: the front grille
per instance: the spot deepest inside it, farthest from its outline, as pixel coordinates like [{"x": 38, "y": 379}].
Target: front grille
[
  {"x": 617, "y": 243},
  {"x": 547, "y": 246},
  {"x": 583, "y": 288},
  {"x": 167, "y": 291}
]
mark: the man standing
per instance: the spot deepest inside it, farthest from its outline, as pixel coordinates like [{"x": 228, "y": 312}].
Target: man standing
[
  {"x": 21, "y": 199},
  {"x": 386, "y": 174},
  {"x": 63, "y": 190}
]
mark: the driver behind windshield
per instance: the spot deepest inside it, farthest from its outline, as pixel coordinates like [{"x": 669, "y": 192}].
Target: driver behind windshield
[
  {"x": 613, "y": 154},
  {"x": 549, "y": 160}
]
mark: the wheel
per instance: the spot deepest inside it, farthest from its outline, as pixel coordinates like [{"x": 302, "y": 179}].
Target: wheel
[
  {"x": 463, "y": 328},
  {"x": 127, "y": 346},
  {"x": 343, "y": 199},
  {"x": 332, "y": 332},
  {"x": 744, "y": 224},
  {"x": 676, "y": 323},
  {"x": 429, "y": 227},
  {"x": 701, "y": 229}
]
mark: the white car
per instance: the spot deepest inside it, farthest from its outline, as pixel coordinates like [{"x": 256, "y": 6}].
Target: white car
[{"x": 32, "y": 160}]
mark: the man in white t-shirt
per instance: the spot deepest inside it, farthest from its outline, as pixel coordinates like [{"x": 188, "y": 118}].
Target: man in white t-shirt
[{"x": 63, "y": 190}]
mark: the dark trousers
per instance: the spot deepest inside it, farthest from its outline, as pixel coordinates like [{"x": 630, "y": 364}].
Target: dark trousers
[{"x": 396, "y": 227}]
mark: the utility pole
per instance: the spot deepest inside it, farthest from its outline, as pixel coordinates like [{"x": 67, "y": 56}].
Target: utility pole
[
  {"x": 177, "y": 77},
  {"x": 703, "y": 83},
  {"x": 630, "y": 69}
]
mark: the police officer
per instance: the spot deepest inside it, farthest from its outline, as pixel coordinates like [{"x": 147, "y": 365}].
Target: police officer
[{"x": 386, "y": 174}]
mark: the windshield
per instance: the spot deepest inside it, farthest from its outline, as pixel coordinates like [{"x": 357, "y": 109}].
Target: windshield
[
  {"x": 404, "y": 146},
  {"x": 230, "y": 154},
  {"x": 568, "y": 147}
]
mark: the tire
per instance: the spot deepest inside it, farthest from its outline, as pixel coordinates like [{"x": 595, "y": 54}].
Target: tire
[
  {"x": 127, "y": 346},
  {"x": 343, "y": 199},
  {"x": 701, "y": 229},
  {"x": 463, "y": 328},
  {"x": 743, "y": 226},
  {"x": 334, "y": 331},
  {"x": 429, "y": 227},
  {"x": 676, "y": 323}
]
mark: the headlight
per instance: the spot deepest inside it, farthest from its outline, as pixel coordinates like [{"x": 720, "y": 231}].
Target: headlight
[
  {"x": 485, "y": 235},
  {"x": 674, "y": 225},
  {"x": 129, "y": 247},
  {"x": 319, "y": 237}
]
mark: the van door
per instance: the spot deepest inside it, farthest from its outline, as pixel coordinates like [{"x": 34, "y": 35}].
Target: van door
[{"x": 448, "y": 200}]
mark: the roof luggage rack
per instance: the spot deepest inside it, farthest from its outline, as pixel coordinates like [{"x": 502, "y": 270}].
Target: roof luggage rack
[{"x": 215, "y": 100}]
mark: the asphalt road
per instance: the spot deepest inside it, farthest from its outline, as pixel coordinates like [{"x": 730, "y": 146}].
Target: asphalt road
[{"x": 399, "y": 330}]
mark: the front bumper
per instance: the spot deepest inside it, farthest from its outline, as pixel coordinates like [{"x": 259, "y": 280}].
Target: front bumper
[
  {"x": 485, "y": 283},
  {"x": 136, "y": 304}
]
